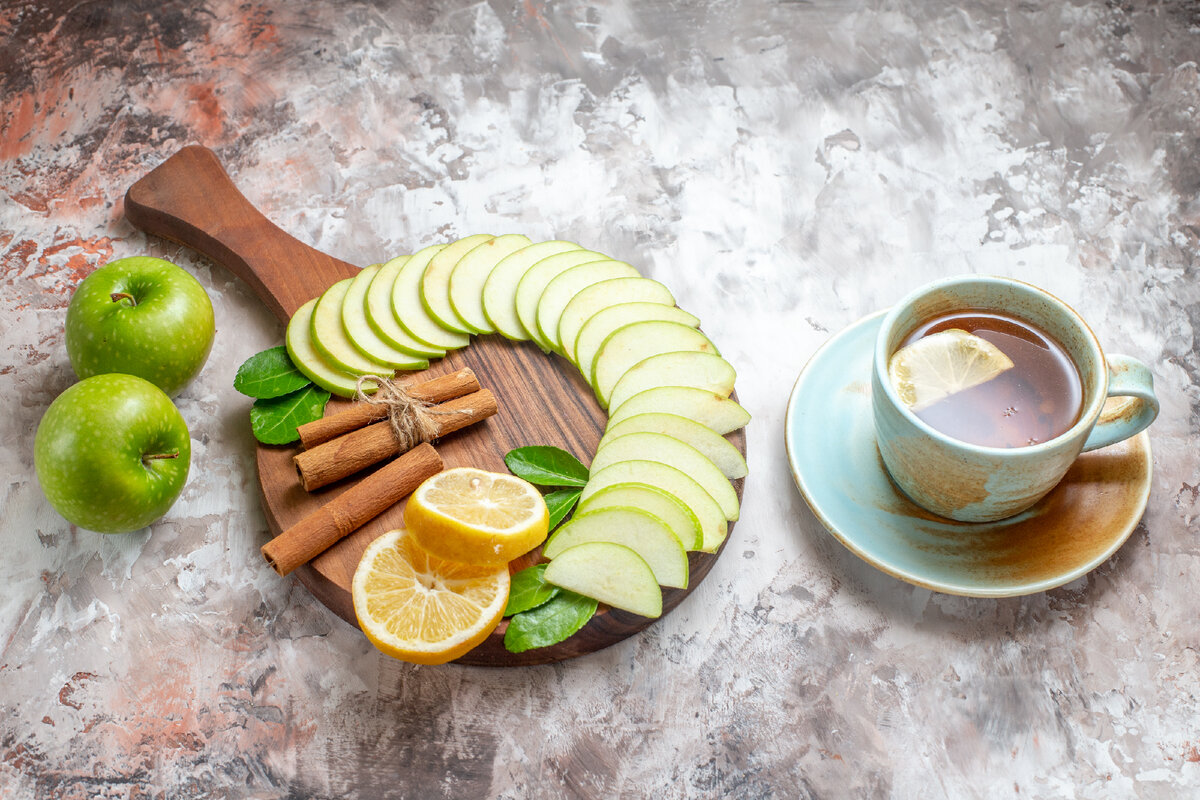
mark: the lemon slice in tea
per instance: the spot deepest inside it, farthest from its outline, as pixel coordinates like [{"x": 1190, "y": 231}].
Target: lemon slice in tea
[{"x": 936, "y": 366}]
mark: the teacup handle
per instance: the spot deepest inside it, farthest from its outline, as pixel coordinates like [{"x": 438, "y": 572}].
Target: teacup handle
[{"x": 1127, "y": 377}]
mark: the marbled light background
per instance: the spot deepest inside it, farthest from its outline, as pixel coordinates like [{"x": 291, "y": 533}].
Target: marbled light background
[{"x": 786, "y": 168}]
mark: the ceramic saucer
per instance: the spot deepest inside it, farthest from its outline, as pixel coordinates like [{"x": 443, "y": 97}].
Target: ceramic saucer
[{"x": 830, "y": 440}]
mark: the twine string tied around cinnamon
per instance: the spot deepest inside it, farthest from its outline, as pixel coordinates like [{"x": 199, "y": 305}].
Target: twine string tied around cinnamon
[{"x": 411, "y": 419}]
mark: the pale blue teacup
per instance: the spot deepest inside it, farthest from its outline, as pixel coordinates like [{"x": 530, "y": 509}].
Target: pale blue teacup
[{"x": 972, "y": 483}]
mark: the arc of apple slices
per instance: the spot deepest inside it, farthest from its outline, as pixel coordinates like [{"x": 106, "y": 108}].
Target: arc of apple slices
[
  {"x": 362, "y": 335},
  {"x": 599, "y": 296},
  {"x": 533, "y": 284},
  {"x": 469, "y": 275},
  {"x": 382, "y": 319},
  {"x": 662, "y": 449},
  {"x": 331, "y": 340},
  {"x": 564, "y": 286},
  {"x": 308, "y": 360},
  {"x": 435, "y": 282},
  {"x": 499, "y": 297}
]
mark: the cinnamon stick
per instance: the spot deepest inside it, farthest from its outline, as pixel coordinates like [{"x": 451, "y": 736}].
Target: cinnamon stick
[
  {"x": 357, "y": 450},
  {"x": 438, "y": 390},
  {"x": 352, "y": 509}
]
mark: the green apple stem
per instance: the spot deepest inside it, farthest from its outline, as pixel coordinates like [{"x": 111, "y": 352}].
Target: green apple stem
[
  {"x": 157, "y": 456},
  {"x": 119, "y": 296}
]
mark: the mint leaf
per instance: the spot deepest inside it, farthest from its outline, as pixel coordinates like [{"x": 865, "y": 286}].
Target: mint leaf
[
  {"x": 274, "y": 420},
  {"x": 560, "y": 502},
  {"x": 529, "y": 590},
  {"x": 270, "y": 373},
  {"x": 546, "y": 466},
  {"x": 549, "y": 623}
]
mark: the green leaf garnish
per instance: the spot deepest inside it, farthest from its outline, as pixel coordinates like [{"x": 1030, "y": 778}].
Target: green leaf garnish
[
  {"x": 549, "y": 623},
  {"x": 268, "y": 374},
  {"x": 560, "y": 502},
  {"x": 274, "y": 420},
  {"x": 529, "y": 590},
  {"x": 546, "y": 466}
]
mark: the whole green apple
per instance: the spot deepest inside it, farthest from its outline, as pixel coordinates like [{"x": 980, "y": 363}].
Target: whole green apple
[
  {"x": 112, "y": 453},
  {"x": 142, "y": 316}
]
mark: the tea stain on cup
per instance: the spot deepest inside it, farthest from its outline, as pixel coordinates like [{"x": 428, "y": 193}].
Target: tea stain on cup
[{"x": 1080, "y": 522}]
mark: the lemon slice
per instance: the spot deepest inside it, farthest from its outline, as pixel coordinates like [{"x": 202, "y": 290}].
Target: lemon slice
[
  {"x": 423, "y": 609},
  {"x": 476, "y": 517},
  {"x": 936, "y": 366}
]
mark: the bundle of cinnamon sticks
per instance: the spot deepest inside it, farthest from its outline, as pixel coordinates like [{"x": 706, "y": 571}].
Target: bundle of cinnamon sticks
[{"x": 365, "y": 434}]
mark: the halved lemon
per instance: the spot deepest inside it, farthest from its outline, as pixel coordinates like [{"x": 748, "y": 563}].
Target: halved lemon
[
  {"x": 419, "y": 608},
  {"x": 476, "y": 517},
  {"x": 936, "y": 366}
]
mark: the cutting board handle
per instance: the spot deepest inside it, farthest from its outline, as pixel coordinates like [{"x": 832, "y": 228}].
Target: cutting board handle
[{"x": 190, "y": 199}]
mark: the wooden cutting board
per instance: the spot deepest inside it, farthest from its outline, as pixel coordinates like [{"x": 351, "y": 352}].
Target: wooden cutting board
[{"x": 543, "y": 400}]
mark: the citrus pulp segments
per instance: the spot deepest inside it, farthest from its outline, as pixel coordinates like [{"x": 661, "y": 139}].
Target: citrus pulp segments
[
  {"x": 331, "y": 340},
  {"x": 637, "y": 529},
  {"x": 626, "y": 346},
  {"x": 714, "y": 527},
  {"x": 610, "y": 573},
  {"x": 472, "y": 271},
  {"x": 419, "y": 608},
  {"x": 383, "y": 320},
  {"x": 409, "y": 309},
  {"x": 435, "y": 282},
  {"x": 710, "y": 409},
  {"x": 564, "y": 286},
  {"x": 360, "y": 332},
  {"x": 315, "y": 367},
  {"x": 603, "y": 323},
  {"x": 500, "y": 289},
  {"x": 683, "y": 368},
  {"x": 679, "y": 518},
  {"x": 716, "y": 449},
  {"x": 533, "y": 283}
]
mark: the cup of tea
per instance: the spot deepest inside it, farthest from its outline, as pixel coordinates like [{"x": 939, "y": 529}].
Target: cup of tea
[{"x": 986, "y": 389}]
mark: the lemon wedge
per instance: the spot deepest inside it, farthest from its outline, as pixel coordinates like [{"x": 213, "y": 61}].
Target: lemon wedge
[
  {"x": 423, "y": 609},
  {"x": 471, "y": 516},
  {"x": 936, "y": 366}
]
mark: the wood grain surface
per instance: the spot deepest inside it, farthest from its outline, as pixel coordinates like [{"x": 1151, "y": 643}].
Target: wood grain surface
[{"x": 189, "y": 199}]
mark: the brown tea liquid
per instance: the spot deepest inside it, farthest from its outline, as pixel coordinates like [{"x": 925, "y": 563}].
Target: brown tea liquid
[{"x": 1040, "y": 398}]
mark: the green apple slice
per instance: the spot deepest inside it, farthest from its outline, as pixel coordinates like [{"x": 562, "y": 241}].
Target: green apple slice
[
  {"x": 410, "y": 311},
  {"x": 610, "y": 573},
  {"x": 679, "y": 518},
  {"x": 533, "y": 283},
  {"x": 639, "y": 530},
  {"x": 500, "y": 289},
  {"x": 644, "y": 446},
  {"x": 601, "y": 295},
  {"x": 628, "y": 345},
  {"x": 330, "y": 337},
  {"x": 683, "y": 368},
  {"x": 306, "y": 358},
  {"x": 713, "y": 525},
  {"x": 360, "y": 332},
  {"x": 710, "y": 409},
  {"x": 471, "y": 272},
  {"x": 716, "y": 449},
  {"x": 564, "y": 286},
  {"x": 435, "y": 282},
  {"x": 383, "y": 320},
  {"x": 606, "y": 321}
]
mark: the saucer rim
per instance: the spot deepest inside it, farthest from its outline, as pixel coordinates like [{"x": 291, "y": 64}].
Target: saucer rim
[{"x": 848, "y": 541}]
